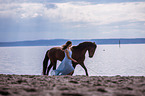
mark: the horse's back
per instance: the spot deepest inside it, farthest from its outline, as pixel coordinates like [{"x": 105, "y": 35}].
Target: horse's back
[{"x": 56, "y": 53}]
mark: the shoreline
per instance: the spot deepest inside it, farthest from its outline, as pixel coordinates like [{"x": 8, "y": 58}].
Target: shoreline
[{"x": 79, "y": 85}]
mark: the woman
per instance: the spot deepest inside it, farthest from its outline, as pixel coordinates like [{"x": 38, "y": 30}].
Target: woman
[{"x": 65, "y": 67}]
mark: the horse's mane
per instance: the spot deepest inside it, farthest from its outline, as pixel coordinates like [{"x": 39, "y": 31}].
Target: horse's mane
[{"x": 83, "y": 44}]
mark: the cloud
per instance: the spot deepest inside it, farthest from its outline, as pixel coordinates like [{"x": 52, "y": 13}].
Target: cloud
[
  {"x": 64, "y": 1},
  {"x": 50, "y": 5},
  {"x": 35, "y": 17},
  {"x": 96, "y": 14}
]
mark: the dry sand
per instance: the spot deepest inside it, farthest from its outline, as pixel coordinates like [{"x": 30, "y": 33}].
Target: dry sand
[{"x": 37, "y": 85}]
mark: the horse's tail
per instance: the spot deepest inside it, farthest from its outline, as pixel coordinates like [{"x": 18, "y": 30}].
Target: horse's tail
[{"x": 45, "y": 63}]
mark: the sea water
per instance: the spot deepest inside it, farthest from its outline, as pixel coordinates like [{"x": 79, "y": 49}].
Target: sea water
[{"x": 108, "y": 60}]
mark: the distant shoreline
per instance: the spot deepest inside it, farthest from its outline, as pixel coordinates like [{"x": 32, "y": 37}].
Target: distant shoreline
[
  {"x": 38, "y": 85},
  {"x": 56, "y": 42}
]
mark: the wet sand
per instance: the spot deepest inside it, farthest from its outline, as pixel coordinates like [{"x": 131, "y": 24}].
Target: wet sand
[{"x": 38, "y": 85}]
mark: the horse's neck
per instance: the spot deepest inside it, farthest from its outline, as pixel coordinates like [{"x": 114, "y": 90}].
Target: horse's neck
[{"x": 84, "y": 50}]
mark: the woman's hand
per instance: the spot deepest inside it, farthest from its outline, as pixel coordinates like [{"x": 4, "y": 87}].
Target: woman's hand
[{"x": 75, "y": 61}]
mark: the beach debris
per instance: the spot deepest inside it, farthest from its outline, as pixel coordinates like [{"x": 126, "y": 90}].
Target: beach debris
[
  {"x": 75, "y": 82},
  {"x": 101, "y": 90},
  {"x": 4, "y": 92}
]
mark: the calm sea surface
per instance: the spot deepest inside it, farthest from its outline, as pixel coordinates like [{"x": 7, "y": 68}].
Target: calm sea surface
[{"x": 108, "y": 60}]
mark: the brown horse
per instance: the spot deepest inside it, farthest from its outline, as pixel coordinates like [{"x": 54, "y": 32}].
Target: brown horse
[{"x": 78, "y": 53}]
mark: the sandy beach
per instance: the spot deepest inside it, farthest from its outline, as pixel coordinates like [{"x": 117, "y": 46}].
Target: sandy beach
[{"x": 38, "y": 85}]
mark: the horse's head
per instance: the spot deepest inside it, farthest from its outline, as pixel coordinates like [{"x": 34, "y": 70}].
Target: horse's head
[
  {"x": 91, "y": 49},
  {"x": 87, "y": 46}
]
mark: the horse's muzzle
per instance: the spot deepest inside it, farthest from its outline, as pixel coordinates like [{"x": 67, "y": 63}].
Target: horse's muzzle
[{"x": 90, "y": 56}]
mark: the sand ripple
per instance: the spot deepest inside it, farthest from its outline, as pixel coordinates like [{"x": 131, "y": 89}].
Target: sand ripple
[{"x": 37, "y": 85}]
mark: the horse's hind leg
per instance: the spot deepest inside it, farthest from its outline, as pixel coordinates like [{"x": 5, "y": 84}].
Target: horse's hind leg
[
  {"x": 82, "y": 64},
  {"x": 49, "y": 67},
  {"x": 54, "y": 65}
]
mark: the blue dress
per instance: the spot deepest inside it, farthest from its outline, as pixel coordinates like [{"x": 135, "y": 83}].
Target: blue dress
[{"x": 65, "y": 66}]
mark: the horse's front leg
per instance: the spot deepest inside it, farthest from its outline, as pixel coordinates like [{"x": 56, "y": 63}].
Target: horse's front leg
[
  {"x": 82, "y": 64},
  {"x": 74, "y": 65}
]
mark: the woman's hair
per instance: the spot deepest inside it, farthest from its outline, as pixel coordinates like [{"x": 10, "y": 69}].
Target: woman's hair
[{"x": 66, "y": 45}]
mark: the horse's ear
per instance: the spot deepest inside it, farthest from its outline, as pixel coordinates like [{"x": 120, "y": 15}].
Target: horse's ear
[{"x": 94, "y": 42}]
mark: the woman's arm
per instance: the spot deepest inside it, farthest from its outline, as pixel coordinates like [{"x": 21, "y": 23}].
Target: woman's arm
[{"x": 67, "y": 53}]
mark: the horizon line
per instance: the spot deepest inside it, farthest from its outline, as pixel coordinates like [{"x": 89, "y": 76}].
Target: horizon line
[{"x": 66, "y": 39}]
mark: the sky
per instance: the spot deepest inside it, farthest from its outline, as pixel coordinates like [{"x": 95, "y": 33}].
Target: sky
[{"x": 22, "y": 20}]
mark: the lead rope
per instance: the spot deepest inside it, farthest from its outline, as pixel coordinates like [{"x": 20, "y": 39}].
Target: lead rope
[{"x": 92, "y": 70}]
